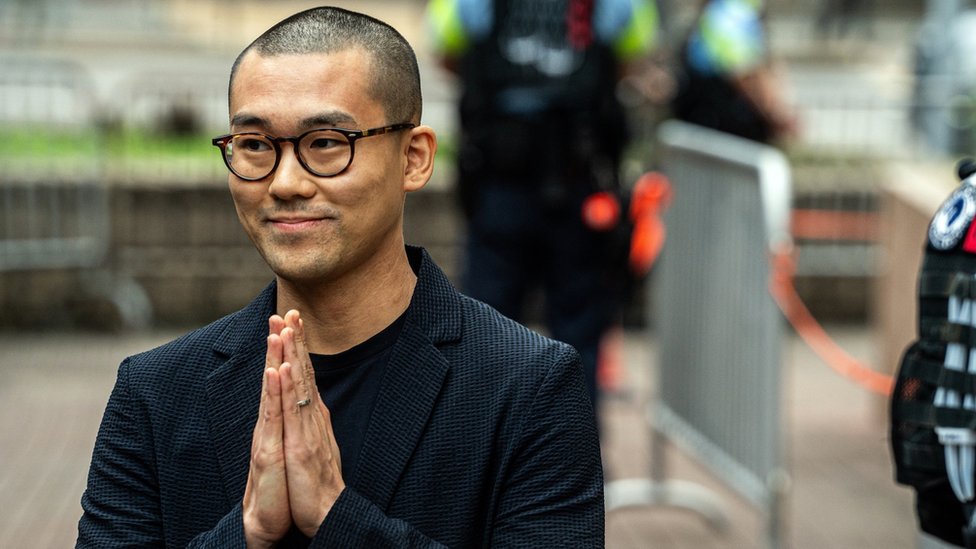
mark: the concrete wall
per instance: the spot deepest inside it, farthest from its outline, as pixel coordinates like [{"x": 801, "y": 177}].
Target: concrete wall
[
  {"x": 183, "y": 249},
  {"x": 907, "y": 203}
]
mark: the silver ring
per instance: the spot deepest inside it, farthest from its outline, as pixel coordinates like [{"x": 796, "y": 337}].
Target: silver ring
[{"x": 304, "y": 402}]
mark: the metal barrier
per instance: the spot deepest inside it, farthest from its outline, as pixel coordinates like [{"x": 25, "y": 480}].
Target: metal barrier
[
  {"x": 54, "y": 198},
  {"x": 719, "y": 332},
  {"x": 54, "y": 202}
]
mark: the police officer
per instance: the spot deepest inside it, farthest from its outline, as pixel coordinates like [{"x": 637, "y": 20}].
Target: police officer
[
  {"x": 542, "y": 133},
  {"x": 726, "y": 81}
]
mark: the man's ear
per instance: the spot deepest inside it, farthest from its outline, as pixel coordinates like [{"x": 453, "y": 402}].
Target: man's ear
[{"x": 420, "y": 150}]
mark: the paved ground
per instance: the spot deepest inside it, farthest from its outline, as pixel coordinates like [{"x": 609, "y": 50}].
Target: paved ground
[
  {"x": 842, "y": 495},
  {"x": 54, "y": 388}
]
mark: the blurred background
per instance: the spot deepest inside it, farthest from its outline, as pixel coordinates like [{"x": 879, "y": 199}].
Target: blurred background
[{"x": 117, "y": 233}]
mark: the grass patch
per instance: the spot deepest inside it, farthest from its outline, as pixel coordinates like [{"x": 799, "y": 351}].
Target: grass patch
[{"x": 34, "y": 153}]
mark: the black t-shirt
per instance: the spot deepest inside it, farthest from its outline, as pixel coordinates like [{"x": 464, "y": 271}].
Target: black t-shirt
[{"x": 349, "y": 382}]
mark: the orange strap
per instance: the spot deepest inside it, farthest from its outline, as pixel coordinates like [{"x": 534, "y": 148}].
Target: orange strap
[
  {"x": 650, "y": 197},
  {"x": 813, "y": 334}
]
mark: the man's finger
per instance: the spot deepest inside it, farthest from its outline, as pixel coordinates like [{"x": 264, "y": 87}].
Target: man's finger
[
  {"x": 262, "y": 406},
  {"x": 304, "y": 384},
  {"x": 300, "y": 359},
  {"x": 275, "y": 355},
  {"x": 275, "y": 324},
  {"x": 333, "y": 443},
  {"x": 272, "y": 429},
  {"x": 291, "y": 395},
  {"x": 267, "y": 515},
  {"x": 312, "y": 458},
  {"x": 308, "y": 372}
]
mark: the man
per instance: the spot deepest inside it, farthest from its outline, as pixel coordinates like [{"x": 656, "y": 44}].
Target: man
[
  {"x": 359, "y": 401},
  {"x": 542, "y": 137},
  {"x": 727, "y": 81}
]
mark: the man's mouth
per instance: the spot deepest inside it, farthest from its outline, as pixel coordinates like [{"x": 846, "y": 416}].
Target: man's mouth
[{"x": 297, "y": 223}]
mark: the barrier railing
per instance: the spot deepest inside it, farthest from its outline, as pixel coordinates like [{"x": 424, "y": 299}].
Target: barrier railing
[
  {"x": 813, "y": 334},
  {"x": 718, "y": 330},
  {"x": 54, "y": 198},
  {"x": 54, "y": 202}
]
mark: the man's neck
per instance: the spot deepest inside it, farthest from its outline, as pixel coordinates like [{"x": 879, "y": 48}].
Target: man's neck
[{"x": 340, "y": 314}]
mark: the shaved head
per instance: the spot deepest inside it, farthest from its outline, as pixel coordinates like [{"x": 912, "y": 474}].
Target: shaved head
[{"x": 394, "y": 75}]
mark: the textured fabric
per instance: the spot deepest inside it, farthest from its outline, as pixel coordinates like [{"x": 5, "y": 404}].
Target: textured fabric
[{"x": 482, "y": 436}]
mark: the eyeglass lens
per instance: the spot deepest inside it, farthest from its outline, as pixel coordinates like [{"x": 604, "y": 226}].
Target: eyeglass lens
[{"x": 254, "y": 156}]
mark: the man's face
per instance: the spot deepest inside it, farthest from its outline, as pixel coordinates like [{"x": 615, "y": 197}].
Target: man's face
[{"x": 310, "y": 228}]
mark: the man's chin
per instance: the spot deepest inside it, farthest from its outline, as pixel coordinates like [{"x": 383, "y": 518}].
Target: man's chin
[{"x": 301, "y": 270}]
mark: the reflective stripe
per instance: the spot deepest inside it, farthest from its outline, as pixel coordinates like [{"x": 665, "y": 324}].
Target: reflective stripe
[
  {"x": 444, "y": 20},
  {"x": 731, "y": 33},
  {"x": 640, "y": 35}
]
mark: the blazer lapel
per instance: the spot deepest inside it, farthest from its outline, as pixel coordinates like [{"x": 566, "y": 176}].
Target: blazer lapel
[
  {"x": 410, "y": 386},
  {"x": 412, "y": 382},
  {"x": 234, "y": 391}
]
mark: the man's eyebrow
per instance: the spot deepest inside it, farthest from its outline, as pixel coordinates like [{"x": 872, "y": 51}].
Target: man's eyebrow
[
  {"x": 322, "y": 120},
  {"x": 329, "y": 119},
  {"x": 245, "y": 119}
]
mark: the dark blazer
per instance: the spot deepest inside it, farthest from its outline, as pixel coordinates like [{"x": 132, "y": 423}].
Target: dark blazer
[{"x": 482, "y": 435}]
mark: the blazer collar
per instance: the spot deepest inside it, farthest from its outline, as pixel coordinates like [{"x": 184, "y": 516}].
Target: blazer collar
[
  {"x": 434, "y": 307},
  {"x": 406, "y": 397},
  {"x": 411, "y": 383},
  {"x": 234, "y": 388}
]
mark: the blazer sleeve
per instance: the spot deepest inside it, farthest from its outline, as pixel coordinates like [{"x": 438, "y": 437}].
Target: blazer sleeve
[
  {"x": 121, "y": 504},
  {"x": 354, "y": 521},
  {"x": 554, "y": 496}
]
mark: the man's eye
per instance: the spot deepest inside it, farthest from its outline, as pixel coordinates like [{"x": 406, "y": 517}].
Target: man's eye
[
  {"x": 252, "y": 144},
  {"x": 324, "y": 143}
]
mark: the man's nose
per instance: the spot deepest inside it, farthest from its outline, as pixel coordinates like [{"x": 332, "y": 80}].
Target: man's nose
[{"x": 291, "y": 180}]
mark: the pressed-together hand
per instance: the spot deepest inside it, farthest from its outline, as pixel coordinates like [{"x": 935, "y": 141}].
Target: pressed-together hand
[
  {"x": 267, "y": 515},
  {"x": 295, "y": 473}
]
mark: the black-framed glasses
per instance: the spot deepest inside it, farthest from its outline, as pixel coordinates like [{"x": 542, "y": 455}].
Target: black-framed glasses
[{"x": 324, "y": 152}]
